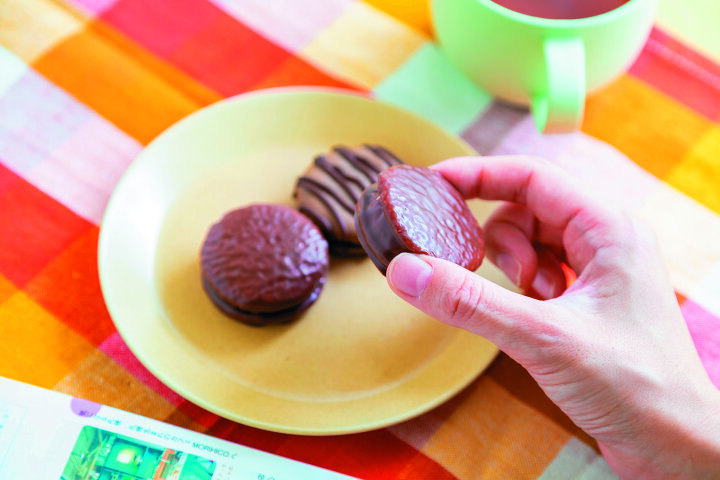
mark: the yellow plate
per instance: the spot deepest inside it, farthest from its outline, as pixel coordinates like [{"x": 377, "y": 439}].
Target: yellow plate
[{"x": 360, "y": 358}]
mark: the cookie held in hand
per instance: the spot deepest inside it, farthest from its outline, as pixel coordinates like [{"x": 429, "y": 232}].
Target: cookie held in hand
[{"x": 414, "y": 209}]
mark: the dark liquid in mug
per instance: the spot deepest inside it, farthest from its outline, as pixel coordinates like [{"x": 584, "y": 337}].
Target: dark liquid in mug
[{"x": 561, "y": 9}]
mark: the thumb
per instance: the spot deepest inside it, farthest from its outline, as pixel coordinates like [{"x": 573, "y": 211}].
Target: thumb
[{"x": 461, "y": 298}]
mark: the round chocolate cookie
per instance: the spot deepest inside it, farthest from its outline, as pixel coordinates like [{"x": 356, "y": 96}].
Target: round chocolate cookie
[
  {"x": 264, "y": 263},
  {"x": 414, "y": 209},
  {"x": 328, "y": 191}
]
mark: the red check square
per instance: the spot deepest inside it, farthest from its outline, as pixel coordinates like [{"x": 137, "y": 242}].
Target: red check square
[
  {"x": 69, "y": 288},
  {"x": 296, "y": 71},
  {"x": 228, "y": 56},
  {"x": 34, "y": 228},
  {"x": 161, "y": 27}
]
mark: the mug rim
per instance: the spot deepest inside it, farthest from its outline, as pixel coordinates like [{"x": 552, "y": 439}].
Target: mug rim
[{"x": 560, "y": 22}]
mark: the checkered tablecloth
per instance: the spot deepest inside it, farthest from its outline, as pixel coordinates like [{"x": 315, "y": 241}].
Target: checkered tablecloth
[{"x": 85, "y": 84}]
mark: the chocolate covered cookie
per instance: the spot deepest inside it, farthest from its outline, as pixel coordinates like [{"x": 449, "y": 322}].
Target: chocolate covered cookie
[
  {"x": 414, "y": 209},
  {"x": 328, "y": 191},
  {"x": 264, "y": 263}
]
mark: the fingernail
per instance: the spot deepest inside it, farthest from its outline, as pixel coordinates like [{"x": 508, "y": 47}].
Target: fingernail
[
  {"x": 544, "y": 284},
  {"x": 510, "y": 266},
  {"x": 409, "y": 274}
]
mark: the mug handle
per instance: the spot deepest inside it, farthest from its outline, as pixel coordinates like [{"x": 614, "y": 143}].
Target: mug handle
[{"x": 559, "y": 108}]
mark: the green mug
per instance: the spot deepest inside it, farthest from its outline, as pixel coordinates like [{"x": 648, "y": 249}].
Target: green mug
[{"x": 547, "y": 64}]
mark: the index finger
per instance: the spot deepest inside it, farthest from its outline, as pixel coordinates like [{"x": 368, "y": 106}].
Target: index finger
[{"x": 550, "y": 193}]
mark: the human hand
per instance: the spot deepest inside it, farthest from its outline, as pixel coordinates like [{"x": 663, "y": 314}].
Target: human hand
[{"x": 612, "y": 350}]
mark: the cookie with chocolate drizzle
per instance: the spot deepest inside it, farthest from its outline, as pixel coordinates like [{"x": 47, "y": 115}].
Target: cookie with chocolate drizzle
[{"x": 329, "y": 189}]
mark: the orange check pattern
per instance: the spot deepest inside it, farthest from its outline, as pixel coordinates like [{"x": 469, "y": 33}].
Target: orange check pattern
[{"x": 85, "y": 84}]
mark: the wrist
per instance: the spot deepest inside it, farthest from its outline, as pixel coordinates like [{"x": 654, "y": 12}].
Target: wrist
[{"x": 678, "y": 438}]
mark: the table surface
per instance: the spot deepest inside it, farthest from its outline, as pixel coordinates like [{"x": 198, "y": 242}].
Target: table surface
[{"x": 85, "y": 84}]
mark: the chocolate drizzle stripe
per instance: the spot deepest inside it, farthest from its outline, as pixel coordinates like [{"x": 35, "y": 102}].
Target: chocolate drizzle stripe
[
  {"x": 384, "y": 154},
  {"x": 314, "y": 186},
  {"x": 322, "y": 222},
  {"x": 340, "y": 177},
  {"x": 323, "y": 194},
  {"x": 360, "y": 183},
  {"x": 360, "y": 163}
]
